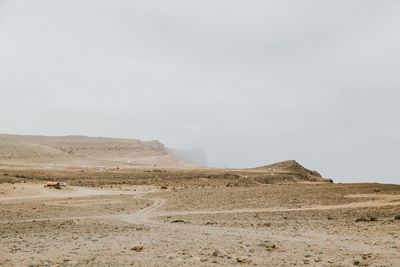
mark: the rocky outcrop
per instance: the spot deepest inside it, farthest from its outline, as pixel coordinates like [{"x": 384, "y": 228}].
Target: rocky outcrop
[{"x": 291, "y": 170}]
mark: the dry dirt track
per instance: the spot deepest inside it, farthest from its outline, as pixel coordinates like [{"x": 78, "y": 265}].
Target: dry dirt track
[
  {"x": 148, "y": 214},
  {"x": 382, "y": 201},
  {"x": 73, "y": 192},
  {"x": 188, "y": 241}
]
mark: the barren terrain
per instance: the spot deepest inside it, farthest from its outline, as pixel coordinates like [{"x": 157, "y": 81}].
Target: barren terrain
[
  {"x": 209, "y": 221},
  {"x": 277, "y": 215},
  {"x": 82, "y": 152}
]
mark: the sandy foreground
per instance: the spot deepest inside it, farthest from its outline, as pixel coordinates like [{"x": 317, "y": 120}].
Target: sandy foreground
[{"x": 271, "y": 225}]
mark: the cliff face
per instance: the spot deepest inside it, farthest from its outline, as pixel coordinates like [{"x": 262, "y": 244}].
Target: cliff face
[
  {"x": 83, "y": 151},
  {"x": 195, "y": 157}
]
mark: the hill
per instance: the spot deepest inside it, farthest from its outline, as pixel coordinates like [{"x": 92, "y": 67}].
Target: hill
[
  {"x": 291, "y": 170},
  {"x": 83, "y": 151},
  {"x": 59, "y": 152}
]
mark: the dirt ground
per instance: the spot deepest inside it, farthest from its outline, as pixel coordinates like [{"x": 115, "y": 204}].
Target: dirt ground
[{"x": 220, "y": 220}]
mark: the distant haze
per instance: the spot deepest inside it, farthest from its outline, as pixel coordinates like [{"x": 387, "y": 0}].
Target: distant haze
[{"x": 248, "y": 82}]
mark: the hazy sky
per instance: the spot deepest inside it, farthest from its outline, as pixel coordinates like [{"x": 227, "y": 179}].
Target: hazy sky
[{"x": 250, "y": 82}]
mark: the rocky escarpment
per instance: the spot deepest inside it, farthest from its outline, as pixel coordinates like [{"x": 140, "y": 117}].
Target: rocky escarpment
[
  {"x": 83, "y": 151},
  {"x": 291, "y": 171}
]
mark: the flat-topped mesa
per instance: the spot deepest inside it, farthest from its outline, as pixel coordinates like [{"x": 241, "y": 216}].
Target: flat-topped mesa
[
  {"x": 292, "y": 170},
  {"x": 83, "y": 151}
]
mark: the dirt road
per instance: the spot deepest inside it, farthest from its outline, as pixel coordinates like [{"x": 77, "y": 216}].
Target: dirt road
[{"x": 136, "y": 226}]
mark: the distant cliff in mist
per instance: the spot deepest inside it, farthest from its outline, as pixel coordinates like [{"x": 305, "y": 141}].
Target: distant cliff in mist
[{"x": 195, "y": 157}]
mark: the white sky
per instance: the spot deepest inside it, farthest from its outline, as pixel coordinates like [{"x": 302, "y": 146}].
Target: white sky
[{"x": 250, "y": 82}]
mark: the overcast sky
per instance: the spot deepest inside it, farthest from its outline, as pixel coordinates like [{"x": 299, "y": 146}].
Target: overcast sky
[{"x": 250, "y": 82}]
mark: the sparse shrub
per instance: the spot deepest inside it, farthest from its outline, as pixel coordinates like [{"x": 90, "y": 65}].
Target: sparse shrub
[
  {"x": 231, "y": 176},
  {"x": 232, "y": 185},
  {"x": 367, "y": 218}
]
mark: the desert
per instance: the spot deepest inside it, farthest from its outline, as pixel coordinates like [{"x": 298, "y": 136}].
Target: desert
[
  {"x": 149, "y": 215},
  {"x": 203, "y": 133}
]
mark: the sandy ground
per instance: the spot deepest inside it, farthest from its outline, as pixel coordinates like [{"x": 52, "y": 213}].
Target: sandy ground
[
  {"x": 272, "y": 225},
  {"x": 134, "y": 212}
]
